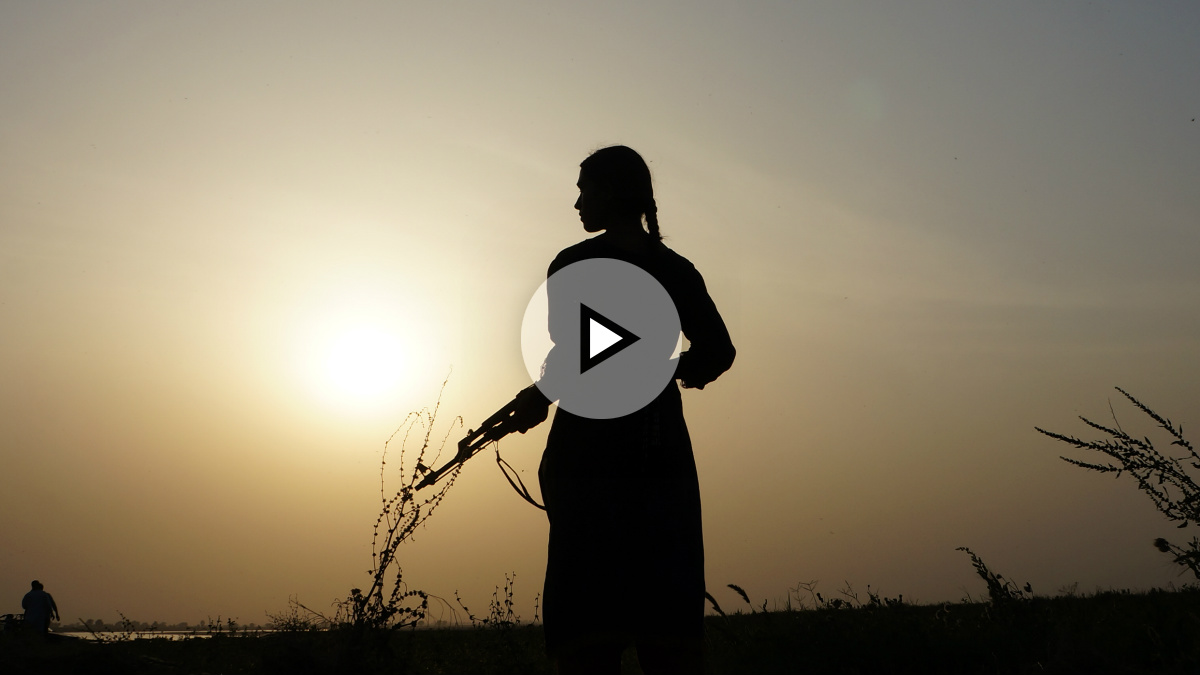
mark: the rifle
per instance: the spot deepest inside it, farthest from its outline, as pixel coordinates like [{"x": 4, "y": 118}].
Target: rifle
[{"x": 492, "y": 429}]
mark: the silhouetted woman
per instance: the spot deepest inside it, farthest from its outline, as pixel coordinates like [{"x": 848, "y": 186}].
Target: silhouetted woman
[{"x": 626, "y": 551}]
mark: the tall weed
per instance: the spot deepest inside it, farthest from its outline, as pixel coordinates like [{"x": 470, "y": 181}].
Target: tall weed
[{"x": 1170, "y": 481}]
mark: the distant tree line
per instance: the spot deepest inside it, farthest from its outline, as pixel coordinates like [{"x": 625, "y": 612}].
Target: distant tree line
[{"x": 141, "y": 626}]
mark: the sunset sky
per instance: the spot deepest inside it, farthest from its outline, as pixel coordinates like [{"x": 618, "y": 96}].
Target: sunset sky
[{"x": 930, "y": 226}]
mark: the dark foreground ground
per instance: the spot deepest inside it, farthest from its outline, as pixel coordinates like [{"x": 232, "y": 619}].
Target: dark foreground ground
[{"x": 1157, "y": 632}]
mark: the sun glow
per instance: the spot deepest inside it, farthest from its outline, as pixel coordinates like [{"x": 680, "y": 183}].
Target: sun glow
[
  {"x": 356, "y": 364},
  {"x": 365, "y": 363},
  {"x": 360, "y": 353}
]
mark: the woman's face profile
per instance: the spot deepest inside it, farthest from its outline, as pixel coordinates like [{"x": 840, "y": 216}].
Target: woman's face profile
[{"x": 593, "y": 205}]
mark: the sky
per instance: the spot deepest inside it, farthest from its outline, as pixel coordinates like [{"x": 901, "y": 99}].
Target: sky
[{"x": 239, "y": 242}]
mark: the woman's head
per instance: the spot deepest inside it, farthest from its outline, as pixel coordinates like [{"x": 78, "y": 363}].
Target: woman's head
[{"x": 620, "y": 186}]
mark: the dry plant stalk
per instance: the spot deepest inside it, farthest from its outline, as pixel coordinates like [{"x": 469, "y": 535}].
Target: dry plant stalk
[
  {"x": 501, "y": 614},
  {"x": 1001, "y": 591},
  {"x": 1164, "y": 478},
  {"x": 387, "y": 603}
]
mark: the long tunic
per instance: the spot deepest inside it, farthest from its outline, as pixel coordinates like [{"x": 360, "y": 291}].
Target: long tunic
[{"x": 626, "y": 550}]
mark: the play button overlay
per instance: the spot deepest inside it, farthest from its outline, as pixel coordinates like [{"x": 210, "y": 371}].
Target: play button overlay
[{"x": 599, "y": 336}]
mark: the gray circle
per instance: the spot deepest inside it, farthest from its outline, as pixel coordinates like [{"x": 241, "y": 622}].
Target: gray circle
[{"x": 570, "y": 322}]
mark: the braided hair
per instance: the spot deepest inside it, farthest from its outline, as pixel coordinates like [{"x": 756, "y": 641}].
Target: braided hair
[{"x": 624, "y": 175}]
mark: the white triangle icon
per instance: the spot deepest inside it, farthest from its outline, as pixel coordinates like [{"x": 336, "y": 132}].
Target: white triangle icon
[{"x": 600, "y": 338}]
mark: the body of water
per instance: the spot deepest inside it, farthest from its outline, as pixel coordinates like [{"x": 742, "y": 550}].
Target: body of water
[{"x": 144, "y": 634}]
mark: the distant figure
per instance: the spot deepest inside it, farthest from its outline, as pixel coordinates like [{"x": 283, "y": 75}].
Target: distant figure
[
  {"x": 39, "y": 609},
  {"x": 626, "y": 551}
]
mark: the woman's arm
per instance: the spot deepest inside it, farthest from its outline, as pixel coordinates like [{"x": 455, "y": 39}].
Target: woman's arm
[{"x": 711, "y": 350}]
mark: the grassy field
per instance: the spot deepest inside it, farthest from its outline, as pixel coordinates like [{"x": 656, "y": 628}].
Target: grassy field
[{"x": 1111, "y": 632}]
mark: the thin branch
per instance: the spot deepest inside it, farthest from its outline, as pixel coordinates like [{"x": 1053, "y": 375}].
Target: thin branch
[{"x": 1163, "y": 478}]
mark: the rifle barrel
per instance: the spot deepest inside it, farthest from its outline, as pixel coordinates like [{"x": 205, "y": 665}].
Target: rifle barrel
[{"x": 473, "y": 442}]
